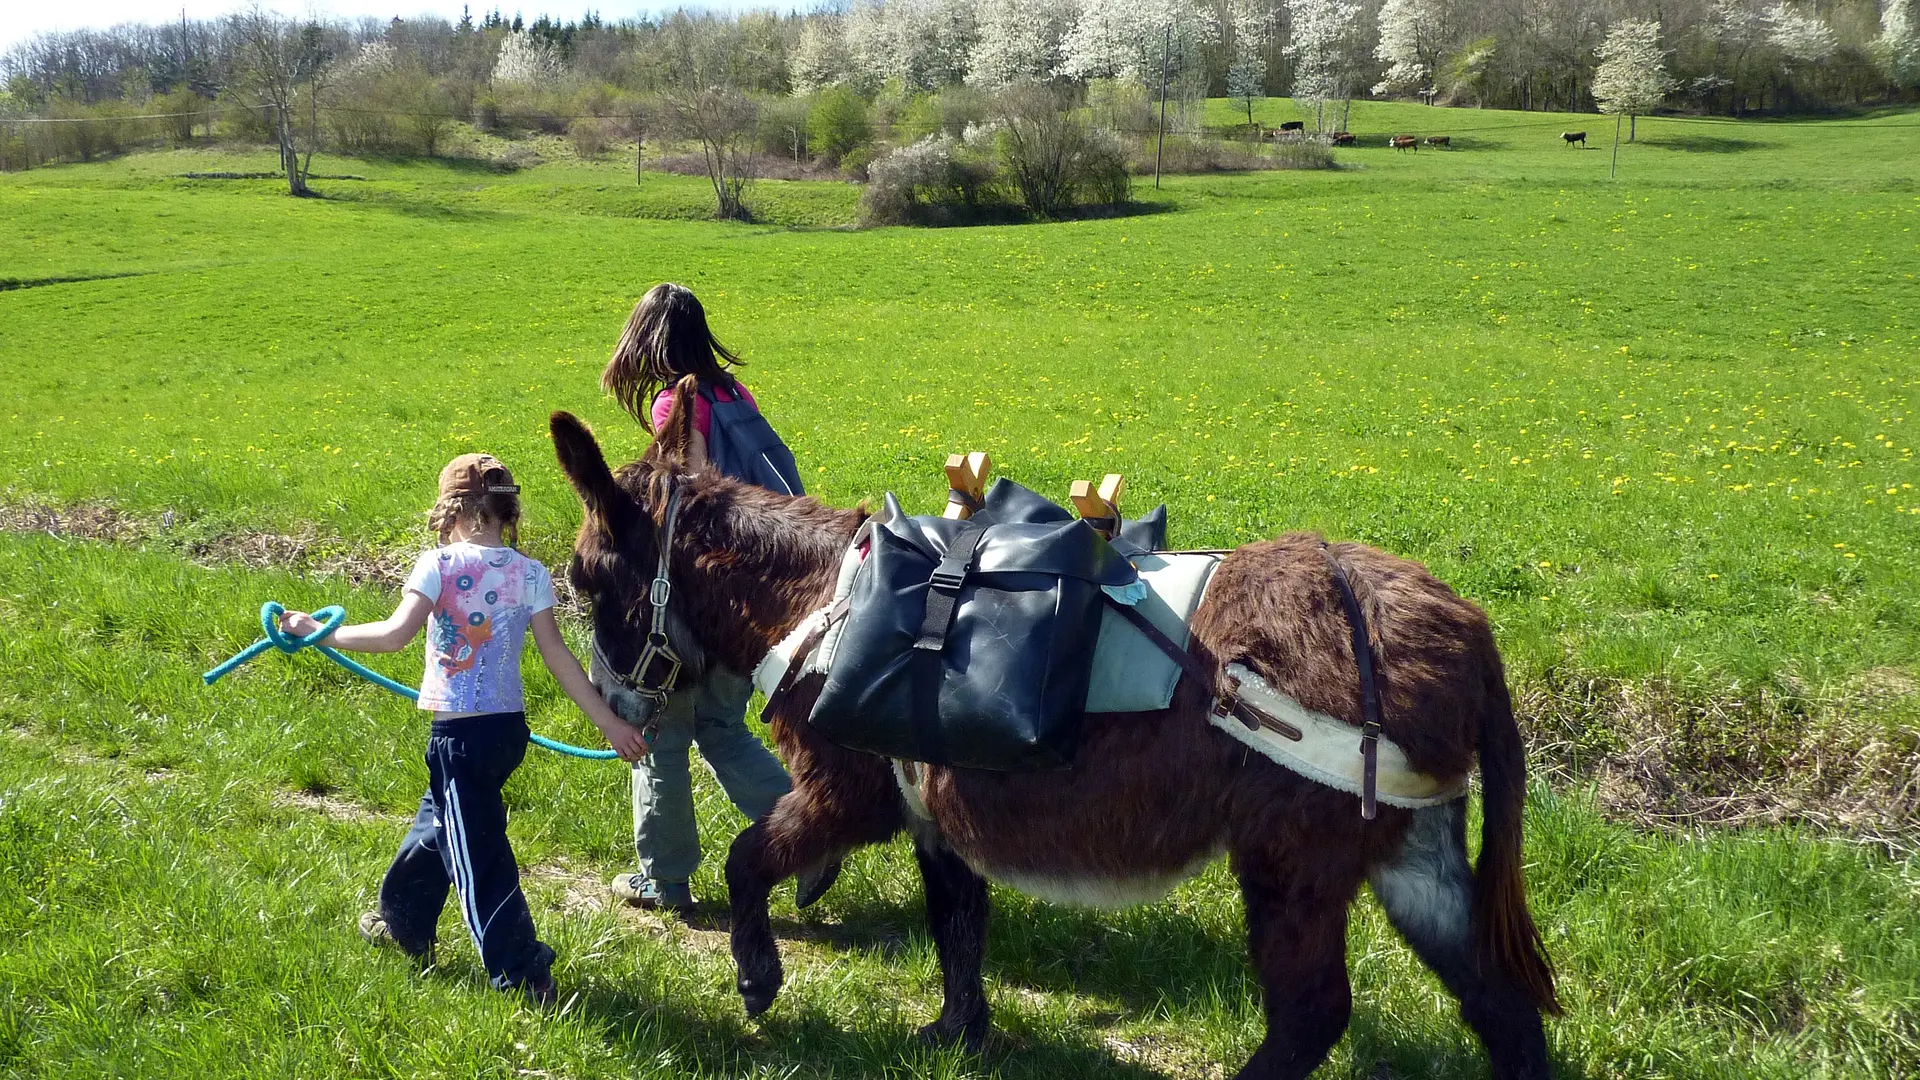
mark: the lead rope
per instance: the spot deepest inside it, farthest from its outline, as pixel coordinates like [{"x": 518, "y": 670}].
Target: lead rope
[{"x": 330, "y": 620}]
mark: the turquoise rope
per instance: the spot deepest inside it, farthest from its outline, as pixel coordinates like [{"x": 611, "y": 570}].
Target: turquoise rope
[{"x": 330, "y": 620}]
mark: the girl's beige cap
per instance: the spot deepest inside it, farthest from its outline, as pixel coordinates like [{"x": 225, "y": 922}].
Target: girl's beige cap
[{"x": 476, "y": 474}]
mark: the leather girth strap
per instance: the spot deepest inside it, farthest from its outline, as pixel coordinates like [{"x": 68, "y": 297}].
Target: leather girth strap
[{"x": 1369, "y": 687}]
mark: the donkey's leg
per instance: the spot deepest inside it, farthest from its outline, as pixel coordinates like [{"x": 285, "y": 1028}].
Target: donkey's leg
[
  {"x": 957, "y": 916},
  {"x": 1427, "y": 891},
  {"x": 1297, "y": 936},
  {"x": 803, "y": 830}
]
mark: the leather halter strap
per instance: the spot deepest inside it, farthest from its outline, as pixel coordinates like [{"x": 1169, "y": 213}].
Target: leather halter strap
[{"x": 643, "y": 679}]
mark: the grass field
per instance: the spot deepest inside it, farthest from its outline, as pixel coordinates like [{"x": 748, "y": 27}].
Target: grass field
[{"x": 1660, "y": 426}]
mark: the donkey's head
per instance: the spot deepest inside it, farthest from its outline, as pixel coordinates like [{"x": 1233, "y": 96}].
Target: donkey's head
[{"x": 616, "y": 558}]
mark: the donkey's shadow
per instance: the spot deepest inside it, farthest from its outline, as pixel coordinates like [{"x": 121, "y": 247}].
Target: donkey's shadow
[{"x": 1144, "y": 960}]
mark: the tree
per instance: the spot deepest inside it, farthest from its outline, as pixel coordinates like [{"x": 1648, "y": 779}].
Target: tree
[
  {"x": 280, "y": 65},
  {"x": 819, "y": 59},
  {"x": 1413, "y": 35},
  {"x": 725, "y": 122},
  {"x": 526, "y": 60},
  {"x": 1801, "y": 37},
  {"x": 1897, "y": 49},
  {"x": 1247, "y": 77},
  {"x": 1633, "y": 70},
  {"x": 1125, "y": 39},
  {"x": 838, "y": 124},
  {"x": 1323, "y": 53},
  {"x": 1017, "y": 40}
]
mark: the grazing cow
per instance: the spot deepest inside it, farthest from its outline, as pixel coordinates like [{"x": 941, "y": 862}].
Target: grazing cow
[
  {"x": 1575, "y": 137},
  {"x": 1148, "y": 799},
  {"x": 1294, "y": 125},
  {"x": 1406, "y": 142},
  {"x": 1343, "y": 138},
  {"x": 1440, "y": 140}
]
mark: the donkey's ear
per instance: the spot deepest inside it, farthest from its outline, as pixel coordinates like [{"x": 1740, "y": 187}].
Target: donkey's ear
[
  {"x": 673, "y": 443},
  {"x": 584, "y": 464}
]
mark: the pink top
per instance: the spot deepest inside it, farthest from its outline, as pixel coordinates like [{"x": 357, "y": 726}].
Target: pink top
[{"x": 702, "y": 411}]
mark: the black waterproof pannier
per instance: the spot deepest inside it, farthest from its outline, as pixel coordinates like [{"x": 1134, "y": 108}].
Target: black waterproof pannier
[{"x": 970, "y": 643}]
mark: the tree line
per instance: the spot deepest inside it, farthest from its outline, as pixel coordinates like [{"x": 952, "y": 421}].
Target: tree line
[{"x": 403, "y": 85}]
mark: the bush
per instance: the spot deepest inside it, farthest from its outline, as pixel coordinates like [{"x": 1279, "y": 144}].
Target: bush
[
  {"x": 935, "y": 181},
  {"x": 1053, "y": 157},
  {"x": 920, "y": 119},
  {"x": 856, "y": 165},
  {"x": 783, "y": 127},
  {"x": 589, "y": 137},
  {"x": 838, "y": 124}
]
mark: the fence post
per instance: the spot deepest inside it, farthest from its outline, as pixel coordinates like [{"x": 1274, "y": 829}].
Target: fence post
[{"x": 1166, "y": 53}]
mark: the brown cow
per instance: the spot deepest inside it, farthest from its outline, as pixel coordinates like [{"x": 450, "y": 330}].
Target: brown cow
[
  {"x": 1575, "y": 137},
  {"x": 1343, "y": 138},
  {"x": 1440, "y": 140},
  {"x": 1406, "y": 142}
]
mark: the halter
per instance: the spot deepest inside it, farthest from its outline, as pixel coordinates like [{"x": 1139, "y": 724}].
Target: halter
[{"x": 657, "y": 669}]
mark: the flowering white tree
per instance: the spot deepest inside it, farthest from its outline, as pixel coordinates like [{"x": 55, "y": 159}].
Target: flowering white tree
[
  {"x": 1800, "y": 36},
  {"x": 1125, "y": 39},
  {"x": 819, "y": 58},
  {"x": 1413, "y": 34},
  {"x": 1016, "y": 40},
  {"x": 526, "y": 60},
  {"x": 1897, "y": 49},
  {"x": 1323, "y": 52},
  {"x": 1251, "y": 21},
  {"x": 920, "y": 44},
  {"x": 1633, "y": 70}
]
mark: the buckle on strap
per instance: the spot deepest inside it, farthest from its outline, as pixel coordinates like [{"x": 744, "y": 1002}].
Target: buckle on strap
[
  {"x": 943, "y": 589},
  {"x": 660, "y": 592}
]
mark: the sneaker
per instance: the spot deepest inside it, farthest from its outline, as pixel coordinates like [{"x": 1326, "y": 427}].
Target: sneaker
[
  {"x": 642, "y": 891},
  {"x": 542, "y": 993},
  {"x": 376, "y": 932},
  {"x": 813, "y": 884}
]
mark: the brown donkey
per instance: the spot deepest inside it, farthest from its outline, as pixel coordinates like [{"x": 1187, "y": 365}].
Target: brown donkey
[{"x": 1150, "y": 798}]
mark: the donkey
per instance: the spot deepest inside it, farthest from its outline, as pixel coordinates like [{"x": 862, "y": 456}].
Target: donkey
[{"x": 1149, "y": 799}]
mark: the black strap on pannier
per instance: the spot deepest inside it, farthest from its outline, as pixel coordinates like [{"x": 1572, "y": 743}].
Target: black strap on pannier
[
  {"x": 1369, "y": 690},
  {"x": 943, "y": 589}
]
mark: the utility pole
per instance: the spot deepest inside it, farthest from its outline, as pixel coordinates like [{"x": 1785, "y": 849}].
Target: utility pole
[
  {"x": 1166, "y": 53},
  {"x": 1615, "y": 169}
]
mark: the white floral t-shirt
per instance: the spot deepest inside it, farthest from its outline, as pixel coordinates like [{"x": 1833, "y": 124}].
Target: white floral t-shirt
[{"x": 483, "y": 600}]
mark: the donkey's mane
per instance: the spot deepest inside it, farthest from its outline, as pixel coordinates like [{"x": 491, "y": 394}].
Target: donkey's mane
[{"x": 751, "y": 563}]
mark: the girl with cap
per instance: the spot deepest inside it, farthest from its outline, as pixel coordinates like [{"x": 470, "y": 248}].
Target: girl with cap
[{"x": 477, "y": 596}]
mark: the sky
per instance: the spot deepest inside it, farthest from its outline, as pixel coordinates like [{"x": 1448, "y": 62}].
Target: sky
[{"x": 23, "y": 19}]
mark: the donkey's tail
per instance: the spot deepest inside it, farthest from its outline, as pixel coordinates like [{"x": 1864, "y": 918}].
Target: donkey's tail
[{"x": 1504, "y": 933}]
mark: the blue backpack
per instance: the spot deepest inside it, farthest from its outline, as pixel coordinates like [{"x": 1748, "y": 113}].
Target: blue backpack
[{"x": 743, "y": 445}]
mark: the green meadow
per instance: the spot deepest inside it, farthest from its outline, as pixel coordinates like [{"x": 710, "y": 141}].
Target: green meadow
[{"x": 1660, "y": 426}]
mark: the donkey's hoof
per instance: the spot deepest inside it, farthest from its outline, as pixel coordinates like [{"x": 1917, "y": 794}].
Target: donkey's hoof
[
  {"x": 942, "y": 1033},
  {"x": 758, "y": 995}
]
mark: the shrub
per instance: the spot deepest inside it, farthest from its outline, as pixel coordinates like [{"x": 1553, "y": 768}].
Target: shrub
[
  {"x": 935, "y": 181},
  {"x": 838, "y": 124},
  {"x": 1052, "y": 157},
  {"x": 920, "y": 119},
  {"x": 589, "y": 137},
  {"x": 783, "y": 127},
  {"x": 514, "y": 158},
  {"x": 857, "y": 163}
]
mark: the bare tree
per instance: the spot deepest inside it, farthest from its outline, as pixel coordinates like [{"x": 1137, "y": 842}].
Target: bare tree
[
  {"x": 726, "y": 123},
  {"x": 281, "y": 66}
]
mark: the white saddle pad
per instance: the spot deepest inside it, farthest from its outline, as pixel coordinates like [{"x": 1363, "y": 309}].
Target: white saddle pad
[{"x": 1130, "y": 673}]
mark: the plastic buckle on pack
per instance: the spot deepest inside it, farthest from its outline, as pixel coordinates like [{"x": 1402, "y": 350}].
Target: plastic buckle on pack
[
  {"x": 950, "y": 580},
  {"x": 660, "y": 592}
]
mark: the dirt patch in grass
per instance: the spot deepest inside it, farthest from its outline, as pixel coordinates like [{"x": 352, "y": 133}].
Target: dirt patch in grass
[{"x": 1843, "y": 759}]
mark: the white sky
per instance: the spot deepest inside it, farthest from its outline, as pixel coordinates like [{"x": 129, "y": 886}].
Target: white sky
[{"x": 22, "y": 19}]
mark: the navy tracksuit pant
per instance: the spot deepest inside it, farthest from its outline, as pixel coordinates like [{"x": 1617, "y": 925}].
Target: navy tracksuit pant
[{"x": 459, "y": 838}]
